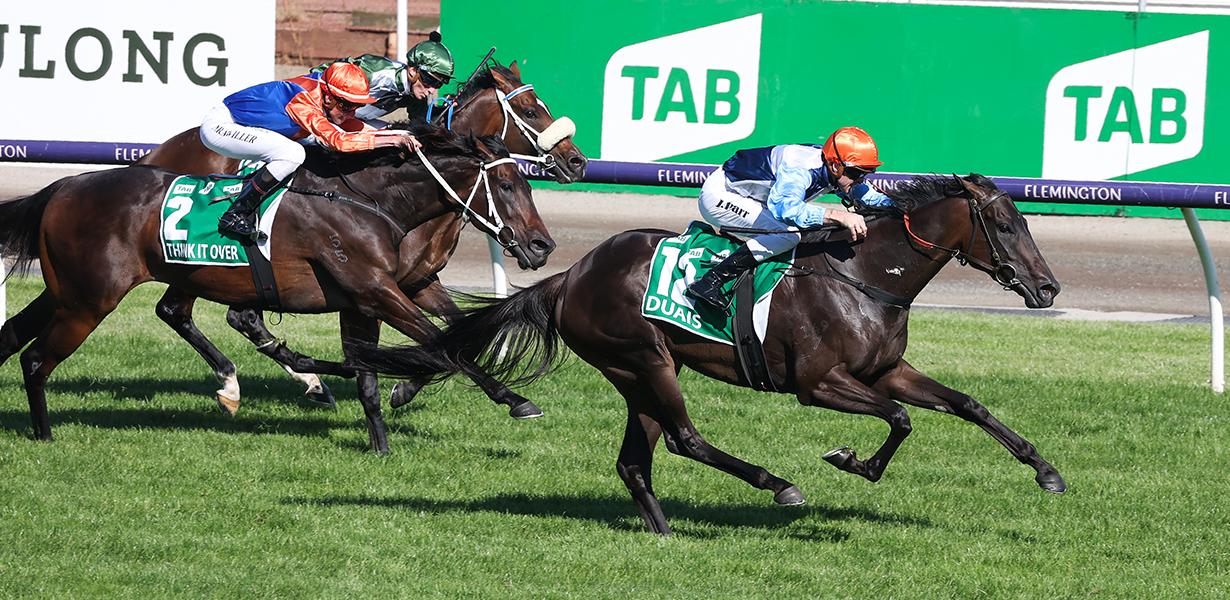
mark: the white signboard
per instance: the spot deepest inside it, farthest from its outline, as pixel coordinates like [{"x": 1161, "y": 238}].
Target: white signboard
[
  {"x": 1127, "y": 112},
  {"x": 682, "y": 92},
  {"x": 131, "y": 71}
]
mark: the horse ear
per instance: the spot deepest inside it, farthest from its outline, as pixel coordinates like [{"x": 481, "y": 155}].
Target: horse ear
[
  {"x": 500, "y": 80},
  {"x": 515, "y": 69},
  {"x": 977, "y": 191}
]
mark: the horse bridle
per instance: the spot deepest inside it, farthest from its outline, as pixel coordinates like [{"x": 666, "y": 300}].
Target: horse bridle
[
  {"x": 1003, "y": 271},
  {"x": 495, "y": 227},
  {"x": 544, "y": 157}
]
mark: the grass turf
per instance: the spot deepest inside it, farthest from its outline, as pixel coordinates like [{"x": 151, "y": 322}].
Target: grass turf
[{"x": 151, "y": 491}]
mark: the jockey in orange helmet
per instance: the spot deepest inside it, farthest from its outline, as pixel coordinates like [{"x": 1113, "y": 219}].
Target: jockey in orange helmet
[
  {"x": 771, "y": 189},
  {"x": 270, "y": 121}
]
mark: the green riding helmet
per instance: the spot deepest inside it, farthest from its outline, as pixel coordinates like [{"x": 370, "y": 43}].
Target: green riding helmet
[{"x": 433, "y": 57}]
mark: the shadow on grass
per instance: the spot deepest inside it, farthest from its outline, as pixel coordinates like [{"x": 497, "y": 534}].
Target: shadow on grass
[
  {"x": 809, "y": 522},
  {"x": 258, "y": 392}
]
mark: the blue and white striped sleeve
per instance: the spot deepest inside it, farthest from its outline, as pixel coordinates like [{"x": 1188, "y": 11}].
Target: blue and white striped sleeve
[
  {"x": 787, "y": 199},
  {"x": 869, "y": 195}
]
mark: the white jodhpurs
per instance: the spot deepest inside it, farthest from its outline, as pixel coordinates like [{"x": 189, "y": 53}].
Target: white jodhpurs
[
  {"x": 724, "y": 208},
  {"x": 223, "y": 135}
]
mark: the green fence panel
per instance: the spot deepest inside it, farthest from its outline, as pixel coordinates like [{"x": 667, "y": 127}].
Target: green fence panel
[{"x": 999, "y": 91}]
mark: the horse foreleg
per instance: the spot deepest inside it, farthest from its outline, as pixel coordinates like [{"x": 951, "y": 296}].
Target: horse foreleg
[
  {"x": 25, "y": 326},
  {"x": 251, "y": 324},
  {"x": 912, "y": 387},
  {"x": 434, "y": 299},
  {"x": 840, "y": 391},
  {"x": 175, "y": 309},
  {"x": 357, "y": 327}
]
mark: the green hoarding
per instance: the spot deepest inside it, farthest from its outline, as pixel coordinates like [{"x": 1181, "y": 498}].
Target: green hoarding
[{"x": 1060, "y": 94}]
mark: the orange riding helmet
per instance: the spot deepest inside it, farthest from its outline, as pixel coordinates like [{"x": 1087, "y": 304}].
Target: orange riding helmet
[
  {"x": 348, "y": 82},
  {"x": 852, "y": 147}
]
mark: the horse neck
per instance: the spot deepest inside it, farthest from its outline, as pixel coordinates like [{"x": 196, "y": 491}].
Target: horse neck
[
  {"x": 483, "y": 115},
  {"x": 890, "y": 260},
  {"x": 411, "y": 200}
]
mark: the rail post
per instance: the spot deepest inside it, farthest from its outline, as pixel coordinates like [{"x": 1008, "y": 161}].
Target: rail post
[{"x": 1217, "y": 376}]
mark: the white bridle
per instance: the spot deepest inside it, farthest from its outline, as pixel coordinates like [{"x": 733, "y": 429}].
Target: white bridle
[
  {"x": 495, "y": 227},
  {"x": 562, "y": 129}
]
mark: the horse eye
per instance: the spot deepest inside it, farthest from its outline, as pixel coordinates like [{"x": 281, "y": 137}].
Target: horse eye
[
  {"x": 1004, "y": 228},
  {"x": 531, "y": 113},
  {"x": 506, "y": 186}
]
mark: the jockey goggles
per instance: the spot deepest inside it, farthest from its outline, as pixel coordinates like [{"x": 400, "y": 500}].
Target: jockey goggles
[{"x": 431, "y": 80}]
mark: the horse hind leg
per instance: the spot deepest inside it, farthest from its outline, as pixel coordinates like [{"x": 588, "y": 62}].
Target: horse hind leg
[
  {"x": 55, "y": 343},
  {"x": 655, "y": 407},
  {"x": 25, "y": 326},
  {"x": 635, "y": 468},
  {"x": 175, "y": 309}
]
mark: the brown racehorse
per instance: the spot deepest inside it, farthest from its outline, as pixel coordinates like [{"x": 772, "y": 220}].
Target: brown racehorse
[
  {"x": 520, "y": 118},
  {"x": 827, "y": 342},
  {"x": 327, "y": 255}
]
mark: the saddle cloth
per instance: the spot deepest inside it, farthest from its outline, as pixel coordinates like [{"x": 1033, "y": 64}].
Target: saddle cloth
[
  {"x": 680, "y": 260},
  {"x": 189, "y": 227}
]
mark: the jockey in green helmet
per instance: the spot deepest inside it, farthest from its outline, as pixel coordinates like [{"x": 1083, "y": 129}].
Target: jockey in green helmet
[{"x": 412, "y": 85}]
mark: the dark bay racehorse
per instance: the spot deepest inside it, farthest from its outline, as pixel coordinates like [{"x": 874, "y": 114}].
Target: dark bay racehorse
[
  {"x": 327, "y": 255},
  {"x": 827, "y": 342},
  {"x": 495, "y": 101}
]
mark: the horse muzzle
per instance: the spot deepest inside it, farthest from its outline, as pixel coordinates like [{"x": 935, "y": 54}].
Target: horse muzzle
[{"x": 532, "y": 255}]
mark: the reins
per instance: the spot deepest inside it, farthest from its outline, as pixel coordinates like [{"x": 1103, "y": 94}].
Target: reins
[
  {"x": 372, "y": 207},
  {"x": 1004, "y": 272},
  {"x": 870, "y": 291}
]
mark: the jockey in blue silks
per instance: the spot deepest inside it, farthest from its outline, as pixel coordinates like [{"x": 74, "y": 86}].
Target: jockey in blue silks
[{"x": 771, "y": 188}]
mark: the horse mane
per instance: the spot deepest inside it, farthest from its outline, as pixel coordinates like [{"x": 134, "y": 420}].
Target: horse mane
[
  {"x": 438, "y": 142},
  {"x": 921, "y": 190},
  {"x": 482, "y": 82}
]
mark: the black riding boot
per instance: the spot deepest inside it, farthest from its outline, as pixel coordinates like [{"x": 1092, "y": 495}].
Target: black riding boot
[
  {"x": 709, "y": 287},
  {"x": 241, "y": 218}
]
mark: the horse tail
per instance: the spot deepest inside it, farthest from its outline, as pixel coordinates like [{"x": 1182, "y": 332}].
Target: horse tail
[
  {"x": 21, "y": 220},
  {"x": 513, "y": 339}
]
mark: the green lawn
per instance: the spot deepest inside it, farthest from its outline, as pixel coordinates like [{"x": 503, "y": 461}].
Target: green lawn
[{"x": 150, "y": 491}]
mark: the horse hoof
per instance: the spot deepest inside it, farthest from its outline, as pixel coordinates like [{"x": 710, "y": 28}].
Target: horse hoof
[
  {"x": 403, "y": 392},
  {"x": 525, "y": 410},
  {"x": 1051, "y": 482},
  {"x": 228, "y": 405},
  {"x": 790, "y": 496},
  {"x": 840, "y": 457}
]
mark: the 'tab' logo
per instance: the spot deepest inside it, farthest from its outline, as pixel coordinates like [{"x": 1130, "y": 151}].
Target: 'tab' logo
[
  {"x": 1127, "y": 112},
  {"x": 682, "y": 92}
]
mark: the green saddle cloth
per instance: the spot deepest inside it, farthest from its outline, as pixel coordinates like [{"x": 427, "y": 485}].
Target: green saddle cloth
[
  {"x": 683, "y": 259},
  {"x": 189, "y": 226}
]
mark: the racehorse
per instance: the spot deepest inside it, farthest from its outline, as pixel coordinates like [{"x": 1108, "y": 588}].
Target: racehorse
[
  {"x": 835, "y": 334},
  {"x": 495, "y": 101},
  {"x": 327, "y": 254}
]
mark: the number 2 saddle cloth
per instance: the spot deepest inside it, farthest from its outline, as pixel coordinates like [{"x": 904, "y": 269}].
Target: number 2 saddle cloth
[{"x": 189, "y": 227}]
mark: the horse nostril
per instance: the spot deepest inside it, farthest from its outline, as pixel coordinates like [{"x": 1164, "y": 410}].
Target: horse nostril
[{"x": 541, "y": 247}]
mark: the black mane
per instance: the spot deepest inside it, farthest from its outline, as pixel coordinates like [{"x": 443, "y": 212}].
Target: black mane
[
  {"x": 922, "y": 190},
  {"x": 482, "y": 82},
  {"x": 437, "y": 142}
]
